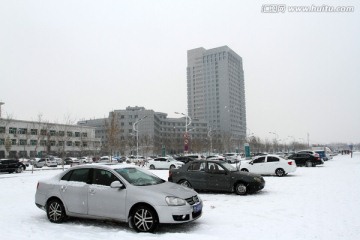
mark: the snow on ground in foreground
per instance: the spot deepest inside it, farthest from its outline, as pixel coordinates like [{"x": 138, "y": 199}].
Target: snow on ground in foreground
[{"x": 313, "y": 203}]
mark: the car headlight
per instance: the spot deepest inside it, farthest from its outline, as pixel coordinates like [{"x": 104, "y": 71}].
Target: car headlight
[{"x": 175, "y": 201}]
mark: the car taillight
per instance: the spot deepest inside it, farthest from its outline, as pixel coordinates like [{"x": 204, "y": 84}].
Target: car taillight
[{"x": 290, "y": 163}]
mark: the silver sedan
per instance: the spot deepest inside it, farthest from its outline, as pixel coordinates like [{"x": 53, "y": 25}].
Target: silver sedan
[{"x": 117, "y": 192}]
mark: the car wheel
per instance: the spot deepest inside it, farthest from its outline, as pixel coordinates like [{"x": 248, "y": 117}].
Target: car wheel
[
  {"x": 172, "y": 166},
  {"x": 279, "y": 172},
  {"x": 308, "y": 164},
  {"x": 55, "y": 211},
  {"x": 244, "y": 170},
  {"x": 152, "y": 166},
  {"x": 144, "y": 219},
  {"x": 240, "y": 189},
  {"x": 19, "y": 169},
  {"x": 185, "y": 183}
]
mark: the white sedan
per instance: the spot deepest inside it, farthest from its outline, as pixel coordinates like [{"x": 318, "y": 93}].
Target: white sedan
[
  {"x": 268, "y": 165},
  {"x": 164, "y": 163}
]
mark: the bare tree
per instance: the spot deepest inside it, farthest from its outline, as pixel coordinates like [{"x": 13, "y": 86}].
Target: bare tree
[
  {"x": 112, "y": 133},
  {"x": 4, "y": 133}
]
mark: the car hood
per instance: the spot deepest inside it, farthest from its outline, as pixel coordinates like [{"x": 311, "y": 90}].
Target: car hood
[
  {"x": 245, "y": 174},
  {"x": 172, "y": 189}
]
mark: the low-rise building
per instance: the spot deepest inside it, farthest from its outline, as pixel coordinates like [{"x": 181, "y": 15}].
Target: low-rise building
[{"x": 19, "y": 138}]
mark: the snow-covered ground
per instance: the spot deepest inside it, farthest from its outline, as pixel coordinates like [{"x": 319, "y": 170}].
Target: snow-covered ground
[{"x": 312, "y": 203}]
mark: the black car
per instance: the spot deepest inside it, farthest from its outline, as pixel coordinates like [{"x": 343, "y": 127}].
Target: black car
[
  {"x": 306, "y": 159},
  {"x": 11, "y": 165},
  {"x": 215, "y": 175}
]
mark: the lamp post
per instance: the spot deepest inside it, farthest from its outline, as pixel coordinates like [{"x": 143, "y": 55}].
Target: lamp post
[
  {"x": 137, "y": 135},
  {"x": 186, "y": 140}
]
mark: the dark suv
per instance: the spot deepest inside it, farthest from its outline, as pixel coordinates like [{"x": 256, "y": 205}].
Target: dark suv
[
  {"x": 11, "y": 165},
  {"x": 306, "y": 159}
]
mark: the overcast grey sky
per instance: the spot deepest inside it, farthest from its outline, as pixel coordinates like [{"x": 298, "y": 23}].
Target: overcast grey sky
[{"x": 85, "y": 58}]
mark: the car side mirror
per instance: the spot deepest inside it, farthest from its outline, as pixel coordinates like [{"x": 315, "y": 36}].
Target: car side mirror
[
  {"x": 252, "y": 163},
  {"x": 117, "y": 184}
]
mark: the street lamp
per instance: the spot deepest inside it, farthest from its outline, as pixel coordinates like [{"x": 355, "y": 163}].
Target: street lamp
[
  {"x": 137, "y": 135},
  {"x": 186, "y": 130}
]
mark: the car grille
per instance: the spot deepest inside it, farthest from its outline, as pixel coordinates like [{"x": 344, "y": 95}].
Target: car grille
[{"x": 192, "y": 200}]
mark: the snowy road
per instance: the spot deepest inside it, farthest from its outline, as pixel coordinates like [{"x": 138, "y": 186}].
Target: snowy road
[{"x": 312, "y": 203}]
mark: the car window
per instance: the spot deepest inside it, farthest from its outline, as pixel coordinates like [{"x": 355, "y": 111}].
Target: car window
[
  {"x": 79, "y": 175},
  {"x": 103, "y": 177},
  {"x": 215, "y": 168},
  {"x": 139, "y": 177},
  {"x": 197, "y": 166},
  {"x": 273, "y": 159},
  {"x": 259, "y": 160}
]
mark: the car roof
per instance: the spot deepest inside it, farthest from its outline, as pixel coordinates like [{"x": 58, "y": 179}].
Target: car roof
[{"x": 105, "y": 165}]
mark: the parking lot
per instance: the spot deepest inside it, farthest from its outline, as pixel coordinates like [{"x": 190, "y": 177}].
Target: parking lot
[{"x": 312, "y": 203}]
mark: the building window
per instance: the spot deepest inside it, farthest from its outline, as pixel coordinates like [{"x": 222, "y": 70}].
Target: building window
[
  {"x": 69, "y": 143},
  {"x": 77, "y": 134},
  {"x": 22, "y": 131},
  {"x": 33, "y": 142},
  {"x": 23, "y": 142},
  {"x": 52, "y": 143},
  {"x": 85, "y": 144},
  {"x": 2, "y": 141},
  {"x": 43, "y": 132},
  {"x": 12, "y": 130},
  {"x": 69, "y": 134},
  {"x": 2, "y": 129},
  {"x": 42, "y": 142},
  {"x": 61, "y": 143},
  {"x": 77, "y": 144},
  {"x": 13, "y": 141},
  {"x": 84, "y": 134},
  {"x": 52, "y": 132},
  {"x": 61, "y": 133},
  {"x": 34, "y": 132}
]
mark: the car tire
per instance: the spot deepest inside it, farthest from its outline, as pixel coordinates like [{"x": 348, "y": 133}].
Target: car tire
[
  {"x": 244, "y": 170},
  {"x": 55, "y": 211},
  {"x": 185, "y": 183},
  {"x": 152, "y": 166},
  {"x": 280, "y": 172},
  {"x": 144, "y": 219},
  {"x": 172, "y": 166},
  {"x": 19, "y": 169},
  {"x": 308, "y": 164},
  {"x": 240, "y": 188}
]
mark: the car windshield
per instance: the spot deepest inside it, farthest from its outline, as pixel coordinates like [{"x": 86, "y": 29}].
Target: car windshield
[
  {"x": 229, "y": 167},
  {"x": 139, "y": 177}
]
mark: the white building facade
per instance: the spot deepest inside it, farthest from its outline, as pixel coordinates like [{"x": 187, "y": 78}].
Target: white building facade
[{"x": 20, "y": 138}]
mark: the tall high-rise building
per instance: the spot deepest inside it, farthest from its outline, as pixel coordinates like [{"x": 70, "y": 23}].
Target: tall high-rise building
[{"x": 216, "y": 91}]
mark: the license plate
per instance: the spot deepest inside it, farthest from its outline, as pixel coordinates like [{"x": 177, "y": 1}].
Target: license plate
[{"x": 197, "y": 208}]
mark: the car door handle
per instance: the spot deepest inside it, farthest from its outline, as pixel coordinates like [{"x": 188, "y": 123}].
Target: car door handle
[{"x": 63, "y": 188}]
